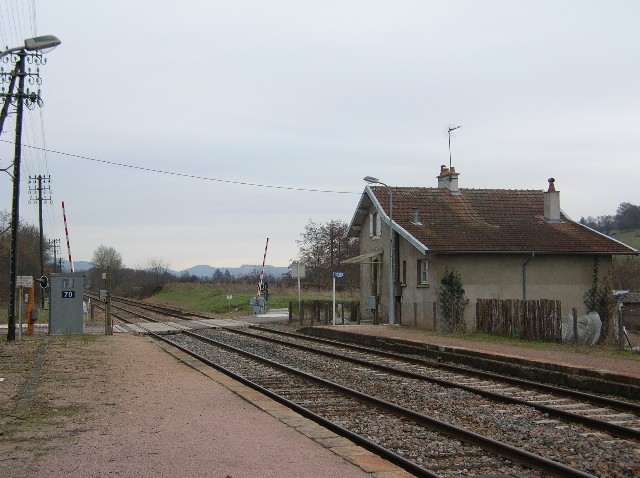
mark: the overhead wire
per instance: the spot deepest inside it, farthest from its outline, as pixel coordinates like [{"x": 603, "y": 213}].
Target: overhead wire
[
  {"x": 186, "y": 175},
  {"x": 18, "y": 20}
]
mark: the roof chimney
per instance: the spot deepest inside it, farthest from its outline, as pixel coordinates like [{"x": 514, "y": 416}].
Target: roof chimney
[
  {"x": 448, "y": 179},
  {"x": 552, "y": 203},
  {"x": 415, "y": 217}
]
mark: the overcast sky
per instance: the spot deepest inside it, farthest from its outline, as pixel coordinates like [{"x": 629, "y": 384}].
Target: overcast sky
[{"x": 299, "y": 96}]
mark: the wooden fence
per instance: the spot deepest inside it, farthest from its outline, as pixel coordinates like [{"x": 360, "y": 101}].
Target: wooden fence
[
  {"x": 319, "y": 311},
  {"x": 531, "y": 319}
]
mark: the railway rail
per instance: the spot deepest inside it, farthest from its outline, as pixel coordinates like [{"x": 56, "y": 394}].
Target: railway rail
[
  {"x": 421, "y": 444},
  {"x": 617, "y": 417},
  {"x": 369, "y": 396}
]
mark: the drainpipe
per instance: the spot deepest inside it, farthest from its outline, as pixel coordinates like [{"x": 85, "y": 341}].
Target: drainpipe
[{"x": 524, "y": 277}]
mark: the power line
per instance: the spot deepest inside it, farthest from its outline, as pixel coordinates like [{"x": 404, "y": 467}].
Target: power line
[{"x": 183, "y": 175}]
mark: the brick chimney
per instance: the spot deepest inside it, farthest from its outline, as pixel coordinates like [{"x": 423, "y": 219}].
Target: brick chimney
[
  {"x": 448, "y": 179},
  {"x": 552, "y": 203}
]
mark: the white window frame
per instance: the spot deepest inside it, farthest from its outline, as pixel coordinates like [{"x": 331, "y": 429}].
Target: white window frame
[
  {"x": 423, "y": 272},
  {"x": 375, "y": 225}
]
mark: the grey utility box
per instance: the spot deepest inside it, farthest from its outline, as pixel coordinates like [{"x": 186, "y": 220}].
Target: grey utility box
[
  {"x": 258, "y": 305},
  {"x": 65, "y": 295}
]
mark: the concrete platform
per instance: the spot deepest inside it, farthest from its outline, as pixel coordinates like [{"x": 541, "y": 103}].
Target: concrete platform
[
  {"x": 222, "y": 323},
  {"x": 143, "y": 413},
  {"x": 163, "y": 328}
]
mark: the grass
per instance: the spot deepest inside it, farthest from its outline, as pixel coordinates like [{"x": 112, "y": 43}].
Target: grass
[
  {"x": 213, "y": 299},
  {"x": 4, "y": 314},
  {"x": 599, "y": 350},
  {"x": 631, "y": 238}
]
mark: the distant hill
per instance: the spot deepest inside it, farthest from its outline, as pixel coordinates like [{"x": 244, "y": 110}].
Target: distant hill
[
  {"x": 244, "y": 270},
  {"x": 78, "y": 266},
  {"x": 201, "y": 271}
]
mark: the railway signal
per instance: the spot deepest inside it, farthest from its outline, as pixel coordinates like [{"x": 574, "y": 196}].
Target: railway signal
[{"x": 44, "y": 282}]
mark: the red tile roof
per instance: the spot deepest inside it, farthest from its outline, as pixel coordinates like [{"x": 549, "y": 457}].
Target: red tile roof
[{"x": 490, "y": 220}]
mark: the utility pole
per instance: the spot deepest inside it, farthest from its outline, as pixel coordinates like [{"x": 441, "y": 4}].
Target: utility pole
[
  {"x": 40, "y": 190},
  {"x": 31, "y": 52},
  {"x": 15, "y": 205},
  {"x": 54, "y": 244}
]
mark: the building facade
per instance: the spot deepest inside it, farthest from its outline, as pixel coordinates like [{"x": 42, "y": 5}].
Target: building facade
[{"x": 504, "y": 244}]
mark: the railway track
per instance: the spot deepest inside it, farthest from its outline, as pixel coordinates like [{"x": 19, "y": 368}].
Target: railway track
[
  {"x": 459, "y": 424},
  {"x": 617, "y": 417},
  {"x": 423, "y": 445}
]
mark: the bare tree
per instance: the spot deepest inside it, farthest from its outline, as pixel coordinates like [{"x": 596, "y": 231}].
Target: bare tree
[
  {"x": 28, "y": 251},
  {"x": 159, "y": 270},
  {"x": 107, "y": 258},
  {"x": 104, "y": 257},
  {"x": 323, "y": 247}
]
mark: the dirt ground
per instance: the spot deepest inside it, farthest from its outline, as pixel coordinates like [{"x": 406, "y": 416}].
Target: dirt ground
[{"x": 101, "y": 406}]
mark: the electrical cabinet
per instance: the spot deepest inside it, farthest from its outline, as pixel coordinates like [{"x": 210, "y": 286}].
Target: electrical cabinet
[{"x": 65, "y": 299}]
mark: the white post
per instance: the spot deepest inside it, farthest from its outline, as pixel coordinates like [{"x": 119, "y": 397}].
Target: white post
[
  {"x": 21, "y": 300},
  {"x": 299, "y": 298},
  {"x": 334, "y": 299}
]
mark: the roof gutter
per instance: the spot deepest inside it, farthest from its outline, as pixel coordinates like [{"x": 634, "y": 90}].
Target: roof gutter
[{"x": 542, "y": 253}]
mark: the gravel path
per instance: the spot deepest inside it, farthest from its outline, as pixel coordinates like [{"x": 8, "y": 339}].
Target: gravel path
[{"x": 121, "y": 406}]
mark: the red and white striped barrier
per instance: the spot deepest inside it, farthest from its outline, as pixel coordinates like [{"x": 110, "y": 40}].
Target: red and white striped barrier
[
  {"x": 66, "y": 231},
  {"x": 264, "y": 258}
]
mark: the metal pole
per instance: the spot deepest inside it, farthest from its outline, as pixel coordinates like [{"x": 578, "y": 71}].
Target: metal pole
[
  {"x": 392, "y": 316},
  {"x": 108, "y": 324},
  {"x": 41, "y": 233},
  {"x": 299, "y": 296},
  {"x": 15, "y": 209},
  {"x": 334, "y": 300}
]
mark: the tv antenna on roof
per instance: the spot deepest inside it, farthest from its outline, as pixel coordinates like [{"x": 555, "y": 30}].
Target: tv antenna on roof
[{"x": 450, "y": 129}]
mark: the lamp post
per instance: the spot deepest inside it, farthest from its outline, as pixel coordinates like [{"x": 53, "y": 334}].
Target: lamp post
[
  {"x": 372, "y": 180},
  {"x": 39, "y": 44}
]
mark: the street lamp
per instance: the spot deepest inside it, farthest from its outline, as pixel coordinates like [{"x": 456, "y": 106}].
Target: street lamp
[
  {"x": 372, "y": 180},
  {"x": 41, "y": 44}
]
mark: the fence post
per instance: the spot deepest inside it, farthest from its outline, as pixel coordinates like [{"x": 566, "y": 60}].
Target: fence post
[
  {"x": 290, "y": 311},
  {"x": 574, "y": 316},
  {"x": 435, "y": 315},
  {"x": 301, "y": 312},
  {"x": 313, "y": 311},
  {"x": 620, "y": 330}
]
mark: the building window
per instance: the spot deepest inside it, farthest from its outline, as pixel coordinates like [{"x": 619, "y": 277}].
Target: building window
[
  {"x": 403, "y": 273},
  {"x": 375, "y": 224},
  {"x": 423, "y": 272}
]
